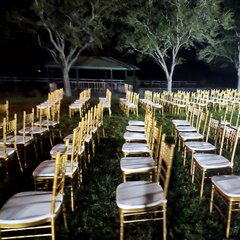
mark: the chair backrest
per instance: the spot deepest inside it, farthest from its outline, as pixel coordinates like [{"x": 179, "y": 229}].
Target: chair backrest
[
  {"x": 44, "y": 115},
  {"x": 76, "y": 144},
  {"x": 202, "y": 122},
  {"x": 12, "y": 130},
  {"x": 3, "y": 146},
  {"x": 229, "y": 141},
  {"x": 59, "y": 177},
  {"x": 213, "y": 129},
  {"x": 28, "y": 120},
  {"x": 55, "y": 112},
  {"x": 156, "y": 143},
  {"x": 4, "y": 111},
  {"x": 163, "y": 172}
]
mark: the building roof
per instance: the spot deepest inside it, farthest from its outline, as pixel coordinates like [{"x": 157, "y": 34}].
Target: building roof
[{"x": 97, "y": 63}]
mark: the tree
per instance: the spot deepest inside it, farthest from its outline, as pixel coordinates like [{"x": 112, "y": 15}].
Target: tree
[
  {"x": 161, "y": 29},
  {"x": 223, "y": 44},
  {"x": 67, "y": 28}
]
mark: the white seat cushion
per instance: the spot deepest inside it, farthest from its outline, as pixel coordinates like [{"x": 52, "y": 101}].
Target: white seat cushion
[
  {"x": 135, "y": 128},
  {"x": 135, "y": 148},
  {"x": 9, "y": 152},
  {"x": 60, "y": 148},
  {"x": 190, "y": 135},
  {"x": 186, "y": 129},
  {"x": 28, "y": 207},
  {"x": 211, "y": 161},
  {"x": 177, "y": 122},
  {"x": 228, "y": 184},
  {"x": 137, "y": 164},
  {"x": 200, "y": 146},
  {"x": 134, "y": 136},
  {"x": 139, "y": 194},
  {"x": 47, "y": 168},
  {"x": 136, "y": 123}
]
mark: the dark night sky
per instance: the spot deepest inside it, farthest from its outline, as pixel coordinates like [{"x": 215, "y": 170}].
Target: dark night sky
[{"x": 21, "y": 56}]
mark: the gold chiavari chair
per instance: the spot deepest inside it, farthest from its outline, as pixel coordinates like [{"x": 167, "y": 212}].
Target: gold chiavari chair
[
  {"x": 42, "y": 123},
  {"x": 136, "y": 148},
  {"x": 206, "y": 162},
  {"x": 22, "y": 140},
  {"x": 45, "y": 170},
  {"x": 226, "y": 189},
  {"x": 33, "y": 213},
  {"x": 8, "y": 152},
  {"x": 138, "y": 200},
  {"x": 138, "y": 135},
  {"x": 185, "y": 136},
  {"x": 30, "y": 130},
  {"x": 106, "y": 101},
  {"x": 132, "y": 106},
  {"x": 204, "y": 146},
  {"x": 134, "y": 165},
  {"x": 4, "y": 112}
]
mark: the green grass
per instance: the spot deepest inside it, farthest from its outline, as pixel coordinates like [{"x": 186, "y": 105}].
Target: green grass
[{"x": 96, "y": 215}]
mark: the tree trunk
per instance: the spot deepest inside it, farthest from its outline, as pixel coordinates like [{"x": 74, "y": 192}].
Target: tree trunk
[
  {"x": 66, "y": 80},
  {"x": 169, "y": 84},
  {"x": 238, "y": 73}
]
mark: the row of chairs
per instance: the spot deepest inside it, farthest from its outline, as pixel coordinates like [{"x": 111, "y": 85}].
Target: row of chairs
[
  {"x": 214, "y": 157},
  {"x": 71, "y": 153},
  {"x": 145, "y": 151},
  {"x": 81, "y": 104},
  {"x": 34, "y": 213},
  {"x": 106, "y": 101},
  {"x": 130, "y": 103},
  {"x": 53, "y": 97},
  {"x": 154, "y": 100}
]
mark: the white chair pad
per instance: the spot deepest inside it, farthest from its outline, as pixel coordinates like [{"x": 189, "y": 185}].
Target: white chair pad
[
  {"x": 186, "y": 129},
  {"x": 9, "y": 140},
  {"x": 135, "y": 129},
  {"x": 25, "y": 140},
  {"x": 228, "y": 184},
  {"x": 135, "y": 148},
  {"x": 75, "y": 106},
  {"x": 130, "y": 105},
  {"x": 9, "y": 152},
  {"x": 47, "y": 169},
  {"x": 156, "y": 105},
  {"x": 132, "y": 136},
  {"x": 139, "y": 194},
  {"x": 38, "y": 130},
  {"x": 60, "y": 148},
  {"x": 190, "y": 135},
  {"x": 211, "y": 161},
  {"x": 177, "y": 122},
  {"x": 28, "y": 207},
  {"x": 137, "y": 164},
  {"x": 136, "y": 123},
  {"x": 46, "y": 123},
  {"x": 68, "y": 137},
  {"x": 200, "y": 146}
]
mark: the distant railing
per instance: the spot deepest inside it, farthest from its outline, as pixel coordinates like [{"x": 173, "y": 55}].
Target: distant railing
[{"x": 97, "y": 85}]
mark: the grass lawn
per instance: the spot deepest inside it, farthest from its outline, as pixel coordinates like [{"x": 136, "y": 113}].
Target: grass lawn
[{"x": 96, "y": 215}]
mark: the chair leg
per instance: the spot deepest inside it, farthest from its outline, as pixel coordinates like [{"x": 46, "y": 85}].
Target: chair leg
[
  {"x": 72, "y": 194},
  {"x": 121, "y": 224},
  {"x": 164, "y": 222},
  {"x": 229, "y": 219},
  {"x": 124, "y": 177},
  {"x": 202, "y": 183},
  {"x": 211, "y": 199},
  {"x": 193, "y": 172},
  {"x": 53, "y": 229},
  {"x": 19, "y": 161}
]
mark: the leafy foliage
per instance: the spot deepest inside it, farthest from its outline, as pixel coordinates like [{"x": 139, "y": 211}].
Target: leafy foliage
[{"x": 160, "y": 29}]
